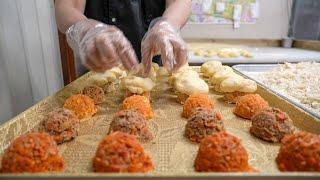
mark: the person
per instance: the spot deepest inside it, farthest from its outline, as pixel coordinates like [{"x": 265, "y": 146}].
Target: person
[{"x": 106, "y": 33}]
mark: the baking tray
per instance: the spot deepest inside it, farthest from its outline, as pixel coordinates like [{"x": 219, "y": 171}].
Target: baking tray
[
  {"x": 260, "y": 55},
  {"x": 172, "y": 154},
  {"x": 253, "y": 70}
]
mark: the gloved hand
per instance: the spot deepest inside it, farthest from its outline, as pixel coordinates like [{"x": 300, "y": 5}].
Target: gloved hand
[
  {"x": 100, "y": 46},
  {"x": 164, "y": 38}
]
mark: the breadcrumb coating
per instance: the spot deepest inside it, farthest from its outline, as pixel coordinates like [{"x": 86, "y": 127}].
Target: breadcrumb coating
[
  {"x": 248, "y": 105},
  {"x": 140, "y": 104},
  {"x": 83, "y": 106},
  {"x": 194, "y": 101},
  {"x": 121, "y": 152},
  {"x": 33, "y": 152}
]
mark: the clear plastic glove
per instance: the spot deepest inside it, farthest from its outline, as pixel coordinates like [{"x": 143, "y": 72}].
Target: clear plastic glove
[
  {"x": 100, "y": 46},
  {"x": 164, "y": 38}
]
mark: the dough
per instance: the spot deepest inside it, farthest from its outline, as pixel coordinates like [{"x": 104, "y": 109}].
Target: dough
[
  {"x": 189, "y": 83},
  {"x": 138, "y": 85},
  {"x": 248, "y": 86},
  {"x": 245, "y": 53},
  {"x": 225, "y": 80},
  {"x": 199, "y": 52},
  {"x": 233, "y": 53},
  {"x": 231, "y": 84},
  {"x": 185, "y": 69},
  {"x": 210, "y": 53},
  {"x": 211, "y": 67},
  {"x": 222, "y": 74},
  {"x": 112, "y": 75},
  {"x": 229, "y": 53}
]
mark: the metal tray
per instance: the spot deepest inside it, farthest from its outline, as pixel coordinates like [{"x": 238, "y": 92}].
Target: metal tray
[
  {"x": 172, "y": 154},
  {"x": 251, "y": 71}
]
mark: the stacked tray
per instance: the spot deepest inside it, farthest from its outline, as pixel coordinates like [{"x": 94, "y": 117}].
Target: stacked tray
[
  {"x": 252, "y": 71},
  {"x": 172, "y": 154}
]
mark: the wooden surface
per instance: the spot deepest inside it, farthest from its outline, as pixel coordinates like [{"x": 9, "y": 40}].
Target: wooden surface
[
  {"x": 237, "y": 42},
  {"x": 305, "y": 44},
  {"x": 67, "y": 60}
]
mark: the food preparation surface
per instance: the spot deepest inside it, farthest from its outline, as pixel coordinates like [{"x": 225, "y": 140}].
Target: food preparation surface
[
  {"x": 262, "y": 55},
  {"x": 171, "y": 153},
  {"x": 253, "y": 71}
]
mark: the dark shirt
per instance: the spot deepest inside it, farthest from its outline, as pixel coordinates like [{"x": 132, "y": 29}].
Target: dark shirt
[{"x": 131, "y": 16}]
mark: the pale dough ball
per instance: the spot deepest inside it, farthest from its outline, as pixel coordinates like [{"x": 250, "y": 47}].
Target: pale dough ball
[
  {"x": 185, "y": 69},
  {"x": 221, "y": 75},
  {"x": 229, "y": 53},
  {"x": 112, "y": 75},
  {"x": 199, "y": 52},
  {"x": 189, "y": 84},
  {"x": 211, "y": 67},
  {"x": 248, "y": 86},
  {"x": 210, "y": 53},
  {"x": 245, "y": 53},
  {"x": 138, "y": 85},
  {"x": 231, "y": 84}
]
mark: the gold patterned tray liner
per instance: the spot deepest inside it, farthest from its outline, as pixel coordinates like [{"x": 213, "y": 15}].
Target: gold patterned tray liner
[{"x": 171, "y": 152}]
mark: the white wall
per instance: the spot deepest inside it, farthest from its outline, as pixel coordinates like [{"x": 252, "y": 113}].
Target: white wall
[
  {"x": 272, "y": 24},
  {"x": 29, "y": 54}
]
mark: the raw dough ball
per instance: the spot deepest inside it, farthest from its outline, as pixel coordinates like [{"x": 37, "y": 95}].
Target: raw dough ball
[
  {"x": 138, "y": 103},
  {"x": 248, "y": 86},
  {"x": 121, "y": 152},
  {"x": 32, "y": 153},
  {"x": 83, "y": 106},
  {"x": 245, "y": 53},
  {"x": 248, "y": 105},
  {"x": 187, "y": 81},
  {"x": 61, "y": 124},
  {"x": 194, "y": 101},
  {"x": 94, "y": 92},
  {"x": 152, "y": 74},
  {"x": 131, "y": 122},
  {"x": 199, "y": 52},
  {"x": 210, "y": 53},
  {"x": 231, "y": 84},
  {"x": 299, "y": 152},
  {"x": 112, "y": 75},
  {"x": 138, "y": 85},
  {"x": 271, "y": 125},
  {"x": 189, "y": 84},
  {"x": 202, "y": 123},
  {"x": 222, "y": 74},
  {"x": 211, "y": 67},
  {"x": 229, "y": 53},
  {"x": 187, "y": 72},
  {"x": 222, "y": 152}
]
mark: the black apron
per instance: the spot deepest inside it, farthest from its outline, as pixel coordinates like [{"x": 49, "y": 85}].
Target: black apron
[{"x": 131, "y": 16}]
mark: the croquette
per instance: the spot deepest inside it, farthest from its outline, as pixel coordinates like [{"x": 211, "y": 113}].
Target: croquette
[
  {"x": 82, "y": 105},
  {"x": 194, "y": 101},
  {"x": 248, "y": 105},
  {"x": 94, "y": 92},
  {"x": 131, "y": 122},
  {"x": 271, "y": 125},
  {"x": 299, "y": 152},
  {"x": 32, "y": 153},
  {"x": 202, "y": 123},
  {"x": 222, "y": 152},
  {"x": 139, "y": 103},
  {"x": 121, "y": 152},
  {"x": 62, "y": 124}
]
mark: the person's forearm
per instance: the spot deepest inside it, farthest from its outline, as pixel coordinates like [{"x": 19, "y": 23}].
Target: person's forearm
[
  {"x": 68, "y": 12},
  {"x": 177, "y": 12}
]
